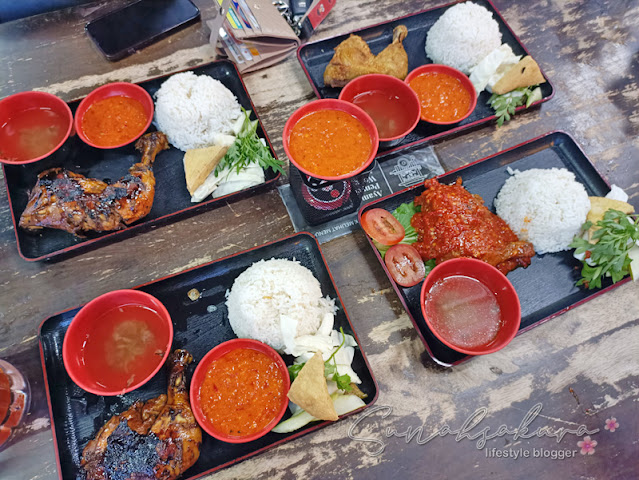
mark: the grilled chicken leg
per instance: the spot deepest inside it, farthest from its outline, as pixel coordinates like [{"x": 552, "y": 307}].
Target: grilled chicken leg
[
  {"x": 71, "y": 202},
  {"x": 354, "y": 58},
  {"x": 158, "y": 439}
]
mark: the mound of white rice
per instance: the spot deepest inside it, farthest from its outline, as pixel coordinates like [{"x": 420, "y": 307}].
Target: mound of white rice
[
  {"x": 544, "y": 206},
  {"x": 191, "y": 110},
  {"x": 463, "y": 36},
  {"x": 272, "y": 289}
]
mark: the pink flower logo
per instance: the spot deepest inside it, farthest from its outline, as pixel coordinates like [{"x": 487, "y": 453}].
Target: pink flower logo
[
  {"x": 611, "y": 424},
  {"x": 587, "y": 445}
]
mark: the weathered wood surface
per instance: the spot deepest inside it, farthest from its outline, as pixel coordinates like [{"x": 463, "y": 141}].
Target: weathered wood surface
[{"x": 581, "y": 366}]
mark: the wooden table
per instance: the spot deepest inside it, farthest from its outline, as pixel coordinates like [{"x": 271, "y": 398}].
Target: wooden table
[{"x": 581, "y": 366}]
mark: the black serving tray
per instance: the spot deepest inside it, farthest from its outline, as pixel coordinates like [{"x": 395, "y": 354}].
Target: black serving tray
[
  {"x": 172, "y": 200},
  {"x": 547, "y": 287},
  {"x": 315, "y": 56},
  {"x": 77, "y": 415}
]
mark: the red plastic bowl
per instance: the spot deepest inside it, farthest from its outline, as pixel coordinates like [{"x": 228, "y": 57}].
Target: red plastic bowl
[
  {"x": 332, "y": 104},
  {"x": 496, "y": 282},
  {"x": 124, "y": 89},
  {"x": 200, "y": 374},
  {"x": 19, "y": 102},
  {"x": 404, "y": 95},
  {"x": 465, "y": 81},
  {"x": 84, "y": 322}
]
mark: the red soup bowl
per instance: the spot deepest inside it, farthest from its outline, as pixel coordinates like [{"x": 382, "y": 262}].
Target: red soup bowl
[
  {"x": 117, "y": 342},
  {"x": 242, "y": 373},
  {"x": 470, "y": 306},
  {"x": 465, "y": 83},
  {"x": 390, "y": 102},
  {"x": 33, "y": 125},
  {"x": 329, "y": 151},
  {"x": 109, "y": 125}
]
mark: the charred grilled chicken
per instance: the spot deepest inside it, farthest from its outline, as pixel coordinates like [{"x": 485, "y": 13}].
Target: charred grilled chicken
[
  {"x": 354, "y": 58},
  {"x": 455, "y": 223},
  {"x": 71, "y": 202},
  {"x": 156, "y": 439}
]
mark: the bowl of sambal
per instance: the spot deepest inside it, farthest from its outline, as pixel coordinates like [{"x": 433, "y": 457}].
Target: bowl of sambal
[
  {"x": 114, "y": 115},
  {"x": 239, "y": 390},
  {"x": 330, "y": 139},
  {"x": 446, "y": 95}
]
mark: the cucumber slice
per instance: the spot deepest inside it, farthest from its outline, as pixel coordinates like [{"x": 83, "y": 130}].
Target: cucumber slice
[{"x": 342, "y": 403}]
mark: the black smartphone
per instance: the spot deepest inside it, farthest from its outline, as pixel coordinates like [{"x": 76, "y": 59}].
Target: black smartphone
[{"x": 124, "y": 31}]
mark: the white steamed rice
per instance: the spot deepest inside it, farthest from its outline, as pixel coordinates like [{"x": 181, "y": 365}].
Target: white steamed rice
[
  {"x": 463, "y": 36},
  {"x": 192, "y": 109},
  {"x": 544, "y": 206},
  {"x": 269, "y": 290}
]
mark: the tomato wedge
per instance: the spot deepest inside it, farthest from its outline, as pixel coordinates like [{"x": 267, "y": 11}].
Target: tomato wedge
[
  {"x": 382, "y": 226},
  {"x": 405, "y": 265}
]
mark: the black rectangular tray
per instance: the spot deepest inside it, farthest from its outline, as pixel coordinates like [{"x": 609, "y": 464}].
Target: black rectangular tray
[
  {"x": 172, "y": 199},
  {"x": 198, "y": 326},
  {"x": 547, "y": 287},
  {"x": 315, "y": 56}
]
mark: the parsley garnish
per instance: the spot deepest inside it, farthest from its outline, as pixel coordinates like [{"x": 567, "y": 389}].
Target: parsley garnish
[
  {"x": 505, "y": 105},
  {"x": 248, "y": 148},
  {"x": 607, "y": 255}
]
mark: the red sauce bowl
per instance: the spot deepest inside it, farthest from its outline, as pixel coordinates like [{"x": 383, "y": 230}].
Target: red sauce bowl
[
  {"x": 453, "y": 72},
  {"x": 17, "y": 104},
  {"x": 200, "y": 374},
  {"x": 88, "y": 319},
  {"x": 124, "y": 89},
  {"x": 331, "y": 104},
  {"x": 496, "y": 282},
  {"x": 404, "y": 98}
]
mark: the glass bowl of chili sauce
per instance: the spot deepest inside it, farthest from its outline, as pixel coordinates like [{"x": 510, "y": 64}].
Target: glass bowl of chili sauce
[
  {"x": 239, "y": 390},
  {"x": 446, "y": 95},
  {"x": 114, "y": 115},
  {"x": 470, "y": 306}
]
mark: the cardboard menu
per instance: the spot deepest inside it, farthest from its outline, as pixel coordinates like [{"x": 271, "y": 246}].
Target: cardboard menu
[{"x": 254, "y": 34}]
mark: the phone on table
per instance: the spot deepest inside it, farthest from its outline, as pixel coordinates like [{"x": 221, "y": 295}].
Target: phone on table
[{"x": 129, "y": 29}]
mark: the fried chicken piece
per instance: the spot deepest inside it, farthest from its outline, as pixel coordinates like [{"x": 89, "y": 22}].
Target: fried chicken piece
[
  {"x": 455, "y": 223},
  {"x": 68, "y": 201},
  {"x": 354, "y": 58},
  {"x": 156, "y": 439}
]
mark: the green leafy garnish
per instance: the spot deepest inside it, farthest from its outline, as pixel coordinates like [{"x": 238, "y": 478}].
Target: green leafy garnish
[
  {"x": 294, "y": 370},
  {"x": 248, "y": 148},
  {"x": 505, "y": 104},
  {"x": 330, "y": 369},
  {"x": 607, "y": 254}
]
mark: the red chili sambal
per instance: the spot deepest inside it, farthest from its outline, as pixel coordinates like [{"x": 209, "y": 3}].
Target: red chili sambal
[
  {"x": 242, "y": 392},
  {"x": 455, "y": 223},
  {"x": 114, "y": 121},
  {"x": 443, "y": 97},
  {"x": 330, "y": 143}
]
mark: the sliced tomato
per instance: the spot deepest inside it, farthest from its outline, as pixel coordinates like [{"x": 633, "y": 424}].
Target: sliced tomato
[
  {"x": 405, "y": 265},
  {"x": 382, "y": 227}
]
